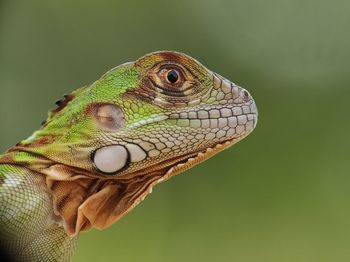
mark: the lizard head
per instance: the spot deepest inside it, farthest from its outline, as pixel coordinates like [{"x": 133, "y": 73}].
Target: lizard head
[{"x": 141, "y": 123}]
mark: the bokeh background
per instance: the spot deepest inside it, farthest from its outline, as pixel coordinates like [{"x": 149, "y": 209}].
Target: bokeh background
[{"x": 282, "y": 194}]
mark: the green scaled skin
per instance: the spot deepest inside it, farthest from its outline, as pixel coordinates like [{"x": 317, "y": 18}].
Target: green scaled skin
[{"x": 106, "y": 145}]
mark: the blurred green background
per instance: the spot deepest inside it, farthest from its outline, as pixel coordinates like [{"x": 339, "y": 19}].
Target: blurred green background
[{"x": 282, "y": 194}]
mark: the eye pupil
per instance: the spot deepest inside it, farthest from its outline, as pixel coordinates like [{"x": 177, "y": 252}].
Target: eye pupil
[{"x": 172, "y": 76}]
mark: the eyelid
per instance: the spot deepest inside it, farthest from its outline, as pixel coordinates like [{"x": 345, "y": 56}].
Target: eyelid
[
  {"x": 171, "y": 66},
  {"x": 158, "y": 77}
]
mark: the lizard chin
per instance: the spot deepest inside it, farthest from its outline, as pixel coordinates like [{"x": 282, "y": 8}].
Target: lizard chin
[{"x": 184, "y": 164}]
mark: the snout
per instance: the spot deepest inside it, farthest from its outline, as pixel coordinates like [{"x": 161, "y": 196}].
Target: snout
[{"x": 237, "y": 97}]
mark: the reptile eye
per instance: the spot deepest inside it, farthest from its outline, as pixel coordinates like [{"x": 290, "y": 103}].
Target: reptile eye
[
  {"x": 169, "y": 77},
  {"x": 172, "y": 76}
]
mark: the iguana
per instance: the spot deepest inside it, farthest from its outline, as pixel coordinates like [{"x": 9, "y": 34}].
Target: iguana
[{"x": 106, "y": 145}]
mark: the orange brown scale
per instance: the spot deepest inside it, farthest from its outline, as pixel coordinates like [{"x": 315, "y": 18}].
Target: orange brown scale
[{"x": 42, "y": 141}]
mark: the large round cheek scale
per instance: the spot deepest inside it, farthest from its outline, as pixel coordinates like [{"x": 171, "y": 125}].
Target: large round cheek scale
[{"x": 110, "y": 159}]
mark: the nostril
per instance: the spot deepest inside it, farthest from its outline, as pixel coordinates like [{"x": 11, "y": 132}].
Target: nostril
[{"x": 246, "y": 95}]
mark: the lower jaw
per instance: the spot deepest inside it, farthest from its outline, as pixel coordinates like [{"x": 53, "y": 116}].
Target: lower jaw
[
  {"x": 177, "y": 165},
  {"x": 200, "y": 157},
  {"x": 186, "y": 163}
]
